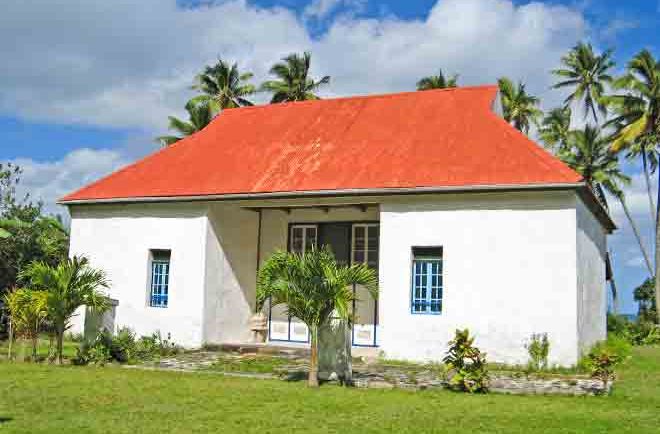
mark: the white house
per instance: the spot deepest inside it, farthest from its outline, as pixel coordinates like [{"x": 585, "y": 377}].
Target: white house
[{"x": 468, "y": 222}]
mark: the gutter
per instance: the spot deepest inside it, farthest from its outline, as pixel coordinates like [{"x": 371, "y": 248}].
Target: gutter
[{"x": 329, "y": 193}]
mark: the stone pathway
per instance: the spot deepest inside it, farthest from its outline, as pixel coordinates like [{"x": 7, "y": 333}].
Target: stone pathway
[{"x": 294, "y": 366}]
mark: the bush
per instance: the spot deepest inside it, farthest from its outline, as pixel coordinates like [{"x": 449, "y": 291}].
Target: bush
[
  {"x": 605, "y": 356},
  {"x": 124, "y": 348},
  {"x": 466, "y": 364},
  {"x": 538, "y": 349},
  {"x": 640, "y": 332}
]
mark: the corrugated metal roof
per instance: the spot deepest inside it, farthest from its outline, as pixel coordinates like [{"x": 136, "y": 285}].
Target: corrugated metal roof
[{"x": 440, "y": 138}]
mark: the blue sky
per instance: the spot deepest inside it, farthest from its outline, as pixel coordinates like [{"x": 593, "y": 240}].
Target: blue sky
[{"x": 86, "y": 85}]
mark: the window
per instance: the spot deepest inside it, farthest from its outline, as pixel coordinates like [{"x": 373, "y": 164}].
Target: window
[
  {"x": 365, "y": 244},
  {"x": 160, "y": 278},
  {"x": 303, "y": 238},
  {"x": 427, "y": 280}
]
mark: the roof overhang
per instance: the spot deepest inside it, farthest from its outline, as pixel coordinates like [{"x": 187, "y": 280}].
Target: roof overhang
[{"x": 582, "y": 190}]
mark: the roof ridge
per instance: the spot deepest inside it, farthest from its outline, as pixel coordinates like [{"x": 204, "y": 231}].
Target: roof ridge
[{"x": 360, "y": 97}]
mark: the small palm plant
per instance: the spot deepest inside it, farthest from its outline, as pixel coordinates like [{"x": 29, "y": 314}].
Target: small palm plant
[
  {"x": 314, "y": 288},
  {"x": 27, "y": 312},
  {"x": 71, "y": 284}
]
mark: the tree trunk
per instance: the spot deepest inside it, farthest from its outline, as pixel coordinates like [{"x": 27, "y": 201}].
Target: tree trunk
[
  {"x": 633, "y": 225},
  {"x": 313, "y": 380},
  {"x": 647, "y": 178},
  {"x": 11, "y": 339},
  {"x": 657, "y": 252},
  {"x": 615, "y": 293},
  {"x": 60, "y": 339}
]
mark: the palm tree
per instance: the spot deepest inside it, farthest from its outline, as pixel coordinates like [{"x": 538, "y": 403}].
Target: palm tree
[
  {"x": 519, "y": 108},
  {"x": 223, "y": 86},
  {"x": 293, "y": 82},
  {"x": 313, "y": 287},
  {"x": 554, "y": 129},
  {"x": 27, "y": 311},
  {"x": 589, "y": 154},
  {"x": 637, "y": 124},
  {"x": 437, "y": 82},
  {"x": 586, "y": 73},
  {"x": 200, "y": 114},
  {"x": 71, "y": 284}
]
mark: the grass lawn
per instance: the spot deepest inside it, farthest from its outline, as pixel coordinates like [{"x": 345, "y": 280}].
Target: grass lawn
[
  {"x": 48, "y": 399},
  {"x": 68, "y": 348}
]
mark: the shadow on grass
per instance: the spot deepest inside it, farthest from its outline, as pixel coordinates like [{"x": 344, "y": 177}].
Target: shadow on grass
[{"x": 5, "y": 419}]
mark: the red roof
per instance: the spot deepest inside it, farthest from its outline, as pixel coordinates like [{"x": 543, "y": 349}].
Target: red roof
[{"x": 437, "y": 138}]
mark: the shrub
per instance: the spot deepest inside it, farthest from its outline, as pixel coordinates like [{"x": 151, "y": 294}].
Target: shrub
[
  {"x": 538, "y": 349},
  {"x": 605, "y": 356},
  {"x": 124, "y": 348},
  {"x": 466, "y": 364}
]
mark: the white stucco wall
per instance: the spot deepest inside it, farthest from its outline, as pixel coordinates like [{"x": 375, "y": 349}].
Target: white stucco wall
[
  {"x": 509, "y": 271},
  {"x": 591, "y": 288},
  {"x": 118, "y": 238},
  {"x": 231, "y": 262}
]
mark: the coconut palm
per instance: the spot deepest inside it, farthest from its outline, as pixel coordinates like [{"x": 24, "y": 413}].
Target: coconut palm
[
  {"x": 71, "y": 284},
  {"x": 637, "y": 124},
  {"x": 313, "y": 287},
  {"x": 200, "y": 114},
  {"x": 223, "y": 86},
  {"x": 554, "y": 128},
  {"x": 586, "y": 73},
  {"x": 437, "y": 82},
  {"x": 293, "y": 82},
  {"x": 519, "y": 108},
  {"x": 589, "y": 154}
]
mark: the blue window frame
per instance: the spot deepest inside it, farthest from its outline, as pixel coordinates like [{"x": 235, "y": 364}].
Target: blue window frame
[
  {"x": 426, "y": 280},
  {"x": 160, "y": 278}
]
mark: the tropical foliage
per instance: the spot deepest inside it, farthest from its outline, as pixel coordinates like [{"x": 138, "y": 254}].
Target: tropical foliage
[
  {"x": 466, "y": 364},
  {"x": 313, "y": 288},
  {"x": 200, "y": 114},
  {"x": 28, "y": 311},
  {"x": 587, "y": 73},
  {"x": 437, "y": 82},
  {"x": 554, "y": 129},
  {"x": 293, "y": 81},
  {"x": 223, "y": 86},
  {"x": 518, "y": 107},
  {"x": 69, "y": 285}
]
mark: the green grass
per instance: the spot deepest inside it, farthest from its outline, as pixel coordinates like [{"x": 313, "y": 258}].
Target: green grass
[
  {"x": 50, "y": 399},
  {"x": 255, "y": 364},
  {"x": 68, "y": 348}
]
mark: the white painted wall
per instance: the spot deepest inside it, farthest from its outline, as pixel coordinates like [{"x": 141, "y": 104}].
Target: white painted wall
[
  {"x": 231, "y": 263},
  {"x": 591, "y": 288},
  {"x": 117, "y": 239},
  {"x": 509, "y": 271}
]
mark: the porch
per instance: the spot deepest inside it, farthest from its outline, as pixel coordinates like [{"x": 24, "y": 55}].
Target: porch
[{"x": 350, "y": 230}]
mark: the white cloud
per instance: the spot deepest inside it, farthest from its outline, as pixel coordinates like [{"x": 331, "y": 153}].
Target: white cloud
[
  {"x": 124, "y": 63},
  {"x": 49, "y": 181}
]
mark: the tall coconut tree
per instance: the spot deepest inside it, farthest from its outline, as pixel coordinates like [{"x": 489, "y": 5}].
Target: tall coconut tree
[
  {"x": 586, "y": 73},
  {"x": 223, "y": 86},
  {"x": 437, "y": 82},
  {"x": 71, "y": 284},
  {"x": 554, "y": 129},
  {"x": 314, "y": 288},
  {"x": 637, "y": 123},
  {"x": 519, "y": 108},
  {"x": 200, "y": 114},
  {"x": 588, "y": 153},
  {"x": 293, "y": 82}
]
